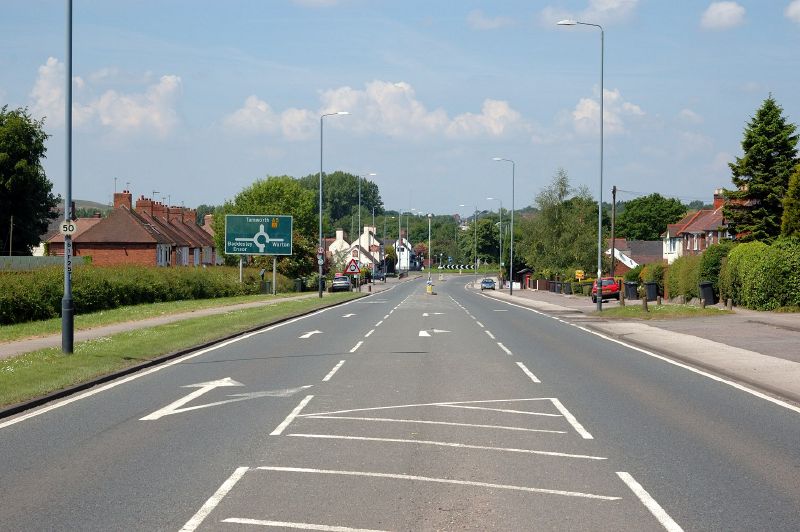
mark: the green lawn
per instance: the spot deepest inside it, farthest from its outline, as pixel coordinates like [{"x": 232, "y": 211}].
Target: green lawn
[
  {"x": 41, "y": 372},
  {"x": 659, "y": 312}
]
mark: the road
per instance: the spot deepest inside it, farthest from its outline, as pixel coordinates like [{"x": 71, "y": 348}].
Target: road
[{"x": 407, "y": 411}]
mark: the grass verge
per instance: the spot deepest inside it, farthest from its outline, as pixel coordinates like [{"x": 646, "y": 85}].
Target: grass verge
[
  {"x": 39, "y": 373},
  {"x": 656, "y": 312},
  {"x": 20, "y": 331}
]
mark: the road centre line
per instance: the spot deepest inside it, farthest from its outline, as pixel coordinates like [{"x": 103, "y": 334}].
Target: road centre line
[
  {"x": 426, "y": 422},
  {"x": 482, "y": 401},
  {"x": 448, "y": 444},
  {"x": 479, "y": 324},
  {"x": 571, "y": 419},
  {"x": 490, "y": 334},
  {"x": 528, "y": 373},
  {"x": 154, "y": 369},
  {"x": 504, "y": 348},
  {"x": 650, "y": 503},
  {"x": 301, "y": 526},
  {"x": 293, "y": 414},
  {"x": 385, "y": 317},
  {"x": 504, "y": 410},
  {"x": 214, "y": 500},
  {"x": 379, "y": 323},
  {"x": 663, "y": 358},
  {"x": 369, "y": 333},
  {"x": 333, "y": 371},
  {"x": 355, "y": 347},
  {"x": 438, "y": 480}
]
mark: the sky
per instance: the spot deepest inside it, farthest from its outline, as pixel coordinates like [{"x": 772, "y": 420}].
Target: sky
[{"x": 196, "y": 99}]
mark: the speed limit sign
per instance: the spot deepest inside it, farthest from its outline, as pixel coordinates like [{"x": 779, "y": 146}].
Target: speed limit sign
[{"x": 68, "y": 228}]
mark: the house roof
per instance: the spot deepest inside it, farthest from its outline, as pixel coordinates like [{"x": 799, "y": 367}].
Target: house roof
[
  {"x": 122, "y": 226},
  {"x": 82, "y": 224},
  {"x": 706, "y": 220},
  {"x": 645, "y": 251}
]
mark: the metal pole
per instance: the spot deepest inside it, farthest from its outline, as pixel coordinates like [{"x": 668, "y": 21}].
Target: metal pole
[
  {"x": 67, "y": 306},
  {"x": 600, "y": 200},
  {"x": 613, "y": 222},
  {"x": 319, "y": 256},
  {"x": 511, "y": 259},
  {"x": 475, "y": 222},
  {"x": 274, "y": 275},
  {"x": 240, "y": 269},
  {"x": 430, "y": 254},
  {"x": 360, "y": 230},
  {"x": 11, "y": 236}
]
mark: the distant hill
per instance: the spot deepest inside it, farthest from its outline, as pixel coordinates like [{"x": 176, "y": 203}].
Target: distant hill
[{"x": 87, "y": 204}]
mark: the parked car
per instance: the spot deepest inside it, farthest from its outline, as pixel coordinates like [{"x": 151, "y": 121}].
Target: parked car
[
  {"x": 487, "y": 284},
  {"x": 610, "y": 289},
  {"x": 341, "y": 283},
  {"x": 379, "y": 276}
]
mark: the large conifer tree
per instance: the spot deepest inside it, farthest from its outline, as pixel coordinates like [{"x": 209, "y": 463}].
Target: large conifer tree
[{"x": 753, "y": 211}]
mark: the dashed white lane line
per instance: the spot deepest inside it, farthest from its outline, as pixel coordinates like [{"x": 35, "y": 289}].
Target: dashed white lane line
[
  {"x": 489, "y": 333},
  {"x": 293, "y": 414},
  {"x": 333, "y": 371},
  {"x": 379, "y": 323},
  {"x": 650, "y": 503},
  {"x": 438, "y": 480},
  {"x": 385, "y": 317},
  {"x": 427, "y": 422},
  {"x": 504, "y": 348},
  {"x": 528, "y": 373},
  {"x": 301, "y": 526},
  {"x": 571, "y": 419},
  {"x": 369, "y": 333},
  {"x": 479, "y": 324},
  {"x": 215, "y": 499},
  {"x": 355, "y": 347},
  {"x": 450, "y": 444}
]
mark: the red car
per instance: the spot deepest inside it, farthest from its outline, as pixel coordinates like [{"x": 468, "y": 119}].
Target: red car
[{"x": 610, "y": 289}]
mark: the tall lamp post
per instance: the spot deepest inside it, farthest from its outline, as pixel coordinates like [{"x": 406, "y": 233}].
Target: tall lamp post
[
  {"x": 67, "y": 305},
  {"x": 511, "y": 255},
  {"x": 501, "y": 233},
  {"x": 430, "y": 254},
  {"x": 321, "y": 249},
  {"x": 569, "y": 22}
]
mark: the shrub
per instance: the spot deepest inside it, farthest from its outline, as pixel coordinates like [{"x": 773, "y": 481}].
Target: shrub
[
  {"x": 633, "y": 274},
  {"x": 654, "y": 273},
  {"x": 682, "y": 278},
  {"x": 763, "y": 277},
  {"x": 711, "y": 262}
]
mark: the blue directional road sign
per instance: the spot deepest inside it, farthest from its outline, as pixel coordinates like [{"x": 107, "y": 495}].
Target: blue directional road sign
[{"x": 258, "y": 234}]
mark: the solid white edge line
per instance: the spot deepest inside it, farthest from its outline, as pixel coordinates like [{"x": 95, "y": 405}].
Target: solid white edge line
[
  {"x": 214, "y": 500},
  {"x": 137, "y": 375},
  {"x": 301, "y": 526},
  {"x": 528, "y": 373},
  {"x": 293, "y": 414},
  {"x": 448, "y": 444},
  {"x": 504, "y": 348},
  {"x": 334, "y": 370},
  {"x": 438, "y": 480},
  {"x": 666, "y": 359},
  {"x": 650, "y": 503},
  {"x": 355, "y": 347},
  {"x": 572, "y": 420}
]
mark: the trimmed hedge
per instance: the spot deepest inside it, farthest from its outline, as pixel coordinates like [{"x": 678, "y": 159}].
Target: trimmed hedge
[
  {"x": 30, "y": 296},
  {"x": 683, "y": 277},
  {"x": 711, "y": 263},
  {"x": 761, "y": 276}
]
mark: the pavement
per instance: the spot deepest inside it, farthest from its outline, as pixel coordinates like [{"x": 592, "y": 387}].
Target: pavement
[
  {"x": 758, "y": 349},
  {"x": 19, "y": 347}
]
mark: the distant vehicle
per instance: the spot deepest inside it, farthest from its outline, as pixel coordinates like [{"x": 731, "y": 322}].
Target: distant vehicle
[
  {"x": 379, "y": 276},
  {"x": 610, "y": 289},
  {"x": 341, "y": 283},
  {"x": 487, "y": 284}
]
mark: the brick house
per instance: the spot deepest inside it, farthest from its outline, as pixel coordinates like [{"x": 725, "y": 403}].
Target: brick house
[
  {"x": 632, "y": 253},
  {"x": 151, "y": 234},
  {"x": 695, "y": 231}
]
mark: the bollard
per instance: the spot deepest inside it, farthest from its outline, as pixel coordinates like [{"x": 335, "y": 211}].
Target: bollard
[
  {"x": 729, "y": 304},
  {"x": 658, "y": 300},
  {"x": 622, "y": 298},
  {"x": 702, "y": 303},
  {"x": 644, "y": 304}
]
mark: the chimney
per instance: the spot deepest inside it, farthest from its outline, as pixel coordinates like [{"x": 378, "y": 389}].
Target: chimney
[
  {"x": 159, "y": 210},
  {"x": 208, "y": 219},
  {"x": 719, "y": 199},
  {"x": 339, "y": 234},
  {"x": 123, "y": 199},
  {"x": 144, "y": 205}
]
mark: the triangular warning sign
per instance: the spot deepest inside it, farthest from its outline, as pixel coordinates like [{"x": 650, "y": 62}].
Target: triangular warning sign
[{"x": 352, "y": 267}]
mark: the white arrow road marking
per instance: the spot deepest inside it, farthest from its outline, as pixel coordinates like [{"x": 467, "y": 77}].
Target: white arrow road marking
[
  {"x": 350, "y": 315},
  {"x": 174, "y": 408},
  {"x": 309, "y": 334},
  {"x": 424, "y": 333}
]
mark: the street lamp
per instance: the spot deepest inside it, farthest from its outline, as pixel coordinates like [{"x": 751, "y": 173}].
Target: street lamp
[
  {"x": 67, "y": 303},
  {"x": 430, "y": 254},
  {"x": 511, "y": 257},
  {"x": 600, "y": 200},
  {"x": 321, "y": 249},
  {"x": 501, "y": 233}
]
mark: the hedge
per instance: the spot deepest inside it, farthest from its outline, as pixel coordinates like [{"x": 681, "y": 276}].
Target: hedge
[
  {"x": 761, "y": 276},
  {"x": 683, "y": 277},
  {"x": 36, "y": 295},
  {"x": 711, "y": 263}
]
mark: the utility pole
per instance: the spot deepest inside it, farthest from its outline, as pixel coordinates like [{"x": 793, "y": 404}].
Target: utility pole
[
  {"x": 613, "y": 222},
  {"x": 11, "y": 235}
]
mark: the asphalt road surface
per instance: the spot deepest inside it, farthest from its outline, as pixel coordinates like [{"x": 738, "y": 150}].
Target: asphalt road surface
[{"x": 407, "y": 411}]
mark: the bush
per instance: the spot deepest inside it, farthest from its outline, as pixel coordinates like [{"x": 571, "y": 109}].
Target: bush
[
  {"x": 682, "y": 277},
  {"x": 654, "y": 273},
  {"x": 711, "y": 262},
  {"x": 633, "y": 274},
  {"x": 763, "y": 277}
]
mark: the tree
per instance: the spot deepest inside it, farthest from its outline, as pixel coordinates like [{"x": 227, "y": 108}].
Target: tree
[
  {"x": 25, "y": 191},
  {"x": 790, "y": 225},
  {"x": 201, "y": 212},
  {"x": 340, "y": 195},
  {"x": 753, "y": 211},
  {"x": 647, "y": 217}
]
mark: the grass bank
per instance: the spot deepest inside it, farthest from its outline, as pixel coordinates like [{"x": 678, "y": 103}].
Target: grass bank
[
  {"x": 656, "y": 312},
  {"x": 42, "y": 372}
]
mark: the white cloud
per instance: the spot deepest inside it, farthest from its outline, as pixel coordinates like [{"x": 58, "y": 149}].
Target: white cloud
[
  {"x": 689, "y": 116},
  {"x": 382, "y": 107},
  {"x": 152, "y": 110},
  {"x": 586, "y": 115},
  {"x": 722, "y": 15},
  {"x": 719, "y": 164},
  {"x": 793, "y": 11},
  {"x": 597, "y": 12},
  {"x": 479, "y": 21}
]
